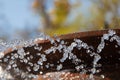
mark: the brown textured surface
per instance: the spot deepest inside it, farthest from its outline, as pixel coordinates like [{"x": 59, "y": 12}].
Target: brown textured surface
[
  {"x": 68, "y": 76},
  {"x": 110, "y": 64}
]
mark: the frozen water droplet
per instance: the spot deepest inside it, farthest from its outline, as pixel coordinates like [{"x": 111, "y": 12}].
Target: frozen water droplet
[
  {"x": 41, "y": 72},
  {"x": 16, "y": 56},
  {"x": 111, "y": 32},
  {"x": 47, "y": 66},
  {"x": 36, "y": 67},
  {"x": 5, "y": 59},
  {"x": 62, "y": 42},
  {"x": 100, "y": 47},
  {"x": 96, "y": 59},
  {"x": 52, "y": 41},
  {"x": 59, "y": 67},
  {"x": 73, "y": 44},
  {"x": 38, "y": 48},
  {"x": 1, "y": 54},
  {"x": 31, "y": 57},
  {"x": 93, "y": 70},
  {"x": 80, "y": 67},
  {"x": 106, "y": 36},
  {"x": 8, "y": 67},
  {"x": 116, "y": 46},
  {"x": 37, "y": 39},
  {"x": 103, "y": 76},
  {"x": 91, "y": 77},
  {"x": 25, "y": 60},
  {"x": 28, "y": 68},
  {"x": 31, "y": 64},
  {"x": 51, "y": 65},
  {"x": 52, "y": 49},
  {"x": 88, "y": 51},
  {"x": 27, "y": 53},
  {"x": 40, "y": 62},
  {"x": 58, "y": 39},
  {"x": 4, "y": 75},
  {"x": 14, "y": 65},
  {"x": 60, "y": 47}
]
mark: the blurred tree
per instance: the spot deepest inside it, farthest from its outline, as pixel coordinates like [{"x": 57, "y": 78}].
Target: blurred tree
[
  {"x": 107, "y": 11},
  {"x": 55, "y": 21},
  {"x": 39, "y": 6},
  {"x": 103, "y": 14}
]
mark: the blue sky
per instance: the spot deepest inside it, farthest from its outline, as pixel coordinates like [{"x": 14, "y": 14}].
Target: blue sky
[
  {"x": 20, "y": 12},
  {"x": 19, "y": 15}
]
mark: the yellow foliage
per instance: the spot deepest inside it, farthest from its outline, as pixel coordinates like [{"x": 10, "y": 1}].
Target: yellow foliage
[
  {"x": 57, "y": 18},
  {"x": 103, "y": 8},
  {"x": 69, "y": 28},
  {"x": 61, "y": 30},
  {"x": 61, "y": 11}
]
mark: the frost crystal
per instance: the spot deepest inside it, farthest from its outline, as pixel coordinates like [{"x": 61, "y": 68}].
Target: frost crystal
[
  {"x": 38, "y": 48},
  {"x": 100, "y": 47},
  {"x": 4, "y": 75},
  {"x": 102, "y": 76},
  {"x": 1, "y": 54},
  {"x": 52, "y": 49},
  {"x": 79, "y": 67},
  {"x": 28, "y": 68},
  {"x": 111, "y": 32},
  {"x": 65, "y": 49},
  {"x": 59, "y": 67},
  {"x": 36, "y": 67},
  {"x": 96, "y": 59}
]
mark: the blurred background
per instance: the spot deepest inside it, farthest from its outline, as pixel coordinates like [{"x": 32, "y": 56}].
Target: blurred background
[{"x": 25, "y": 19}]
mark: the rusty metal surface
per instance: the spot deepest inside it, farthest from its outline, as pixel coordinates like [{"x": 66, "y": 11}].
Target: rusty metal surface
[{"x": 109, "y": 60}]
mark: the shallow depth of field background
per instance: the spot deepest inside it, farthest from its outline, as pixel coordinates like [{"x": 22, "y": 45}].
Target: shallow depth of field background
[{"x": 25, "y": 19}]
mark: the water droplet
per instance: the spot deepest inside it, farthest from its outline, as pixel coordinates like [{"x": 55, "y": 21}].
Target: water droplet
[
  {"x": 103, "y": 76},
  {"x": 59, "y": 67},
  {"x": 1, "y": 54}
]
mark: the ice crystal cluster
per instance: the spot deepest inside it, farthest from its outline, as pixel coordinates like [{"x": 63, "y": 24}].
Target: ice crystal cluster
[{"x": 24, "y": 56}]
